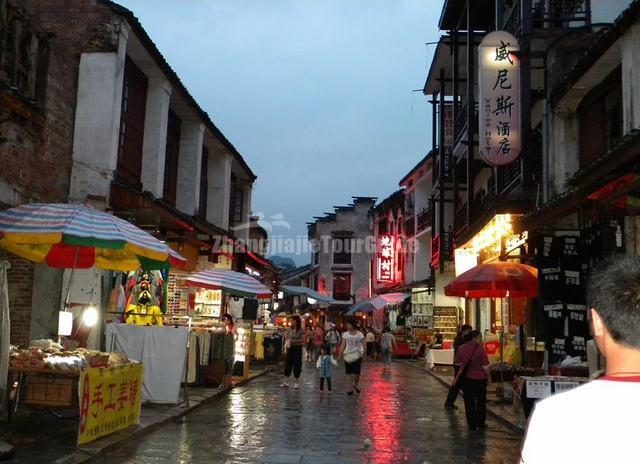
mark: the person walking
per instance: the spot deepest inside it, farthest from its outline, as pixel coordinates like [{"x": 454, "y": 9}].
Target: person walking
[
  {"x": 462, "y": 337},
  {"x": 309, "y": 342},
  {"x": 325, "y": 363},
  {"x": 318, "y": 341},
  {"x": 597, "y": 422},
  {"x": 387, "y": 345},
  {"x": 333, "y": 339},
  {"x": 370, "y": 339},
  {"x": 352, "y": 352},
  {"x": 474, "y": 364},
  {"x": 293, "y": 357}
]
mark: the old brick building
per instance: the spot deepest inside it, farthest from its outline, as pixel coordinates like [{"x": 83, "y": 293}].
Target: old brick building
[{"x": 92, "y": 113}]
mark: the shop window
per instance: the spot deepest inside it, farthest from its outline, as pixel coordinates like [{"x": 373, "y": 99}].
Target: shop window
[
  {"x": 342, "y": 287},
  {"x": 171, "y": 158},
  {"x": 600, "y": 118},
  {"x": 236, "y": 205},
  {"x": 342, "y": 248},
  {"x": 204, "y": 184},
  {"x": 134, "y": 103}
]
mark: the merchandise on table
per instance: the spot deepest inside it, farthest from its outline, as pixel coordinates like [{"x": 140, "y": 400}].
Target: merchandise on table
[{"x": 54, "y": 358}]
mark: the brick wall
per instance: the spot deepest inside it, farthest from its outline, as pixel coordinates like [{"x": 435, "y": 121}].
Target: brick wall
[{"x": 36, "y": 154}]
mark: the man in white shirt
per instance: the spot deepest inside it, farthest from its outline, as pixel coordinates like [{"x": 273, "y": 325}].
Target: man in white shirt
[{"x": 598, "y": 422}]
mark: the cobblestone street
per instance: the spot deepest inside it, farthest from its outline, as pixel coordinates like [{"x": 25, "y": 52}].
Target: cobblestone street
[{"x": 402, "y": 413}]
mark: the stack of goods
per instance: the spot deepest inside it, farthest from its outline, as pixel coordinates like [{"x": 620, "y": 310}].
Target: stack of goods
[
  {"x": 48, "y": 355},
  {"x": 508, "y": 372}
]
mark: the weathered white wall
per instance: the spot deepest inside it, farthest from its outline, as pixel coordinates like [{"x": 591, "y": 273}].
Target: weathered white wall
[
  {"x": 154, "y": 145},
  {"x": 189, "y": 166},
  {"x": 631, "y": 78},
  {"x": 97, "y": 122},
  {"x": 44, "y": 312},
  {"x": 219, "y": 188},
  {"x": 246, "y": 214},
  {"x": 563, "y": 150}
]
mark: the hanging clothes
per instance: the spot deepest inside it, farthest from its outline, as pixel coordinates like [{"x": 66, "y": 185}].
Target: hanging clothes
[
  {"x": 378, "y": 320},
  {"x": 393, "y": 318},
  {"x": 235, "y": 306},
  {"x": 250, "y": 309}
]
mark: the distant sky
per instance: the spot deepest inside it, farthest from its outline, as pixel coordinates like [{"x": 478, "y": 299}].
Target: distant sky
[{"x": 316, "y": 94}]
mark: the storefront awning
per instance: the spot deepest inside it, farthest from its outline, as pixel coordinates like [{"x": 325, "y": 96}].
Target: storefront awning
[
  {"x": 306, "y": 291},
  {"x": 376, "y": 303}
]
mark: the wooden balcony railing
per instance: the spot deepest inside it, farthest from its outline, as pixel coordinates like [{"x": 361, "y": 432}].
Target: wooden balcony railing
[
  {"x": 549, "y": 14},
  {"x": 435, "y": 251},
  {"x": 424, "y": 219},
  {"x": 410, "y": 226}
]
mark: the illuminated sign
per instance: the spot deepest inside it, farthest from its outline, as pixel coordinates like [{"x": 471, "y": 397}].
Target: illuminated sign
[
  {"x": 499, "y": 98},
  {"x": 385, "y": 259}
]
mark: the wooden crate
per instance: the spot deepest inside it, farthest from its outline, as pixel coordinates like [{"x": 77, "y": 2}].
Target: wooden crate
[{"x": 50, "y": 390}]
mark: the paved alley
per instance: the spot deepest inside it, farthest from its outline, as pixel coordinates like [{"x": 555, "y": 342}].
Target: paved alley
[{"x": 401, "y": 413}]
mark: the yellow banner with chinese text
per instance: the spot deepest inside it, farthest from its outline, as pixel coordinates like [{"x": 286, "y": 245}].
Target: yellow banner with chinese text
[{"x": 109, "y": 399}]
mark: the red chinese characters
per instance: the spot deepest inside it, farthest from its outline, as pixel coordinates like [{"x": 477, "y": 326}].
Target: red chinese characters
[{"x": 385, "y": 259}]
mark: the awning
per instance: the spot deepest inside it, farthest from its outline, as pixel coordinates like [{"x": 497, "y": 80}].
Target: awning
[
  {"x": 378, "y": 302},
  {"x": 305, "y": 291},
  {"x": 230, "y": 282}
]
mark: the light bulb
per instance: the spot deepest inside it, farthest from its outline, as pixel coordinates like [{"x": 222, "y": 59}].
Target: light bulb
[{"x": 90, "y": 316}]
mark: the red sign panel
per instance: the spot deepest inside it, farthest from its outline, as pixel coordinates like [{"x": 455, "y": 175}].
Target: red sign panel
[{"x": 386, "y": 259}]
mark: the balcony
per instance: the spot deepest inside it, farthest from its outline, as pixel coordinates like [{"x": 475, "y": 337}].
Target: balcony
[
  {"x": 549, "y": 14},
  {"x": 509, "y": 177},
  {"x": 460, "y": 123},
  {"x": 424, "y": 219},
  {"x": 460, "y": 219},
  {"x": 435, "y": 251},
  {"x": 410, "y": 226}
]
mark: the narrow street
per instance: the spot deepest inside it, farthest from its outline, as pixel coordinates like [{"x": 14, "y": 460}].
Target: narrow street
[{"x": 402, "y": 413}]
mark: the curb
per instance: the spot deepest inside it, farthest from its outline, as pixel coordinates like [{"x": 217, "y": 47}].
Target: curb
[
  {"x": 505, "y": 422},
  {"x": 87, "y": 454}
]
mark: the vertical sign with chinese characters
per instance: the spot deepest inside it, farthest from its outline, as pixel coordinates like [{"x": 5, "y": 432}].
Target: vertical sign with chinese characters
[
  {"x": 386, "y": 259},
  {"x": 499, "y": 98},
  {"x": 110, "y": 400}
]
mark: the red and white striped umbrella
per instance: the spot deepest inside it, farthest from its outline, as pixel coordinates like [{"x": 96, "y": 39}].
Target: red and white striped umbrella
[{"x": 229, "y": 281}]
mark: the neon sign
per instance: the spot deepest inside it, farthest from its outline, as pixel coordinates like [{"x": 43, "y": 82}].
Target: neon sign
[{"x": 386, "y": 259}]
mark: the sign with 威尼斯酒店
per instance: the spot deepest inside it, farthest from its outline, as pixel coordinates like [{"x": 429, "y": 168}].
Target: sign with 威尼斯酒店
[
  {"x": 499, "y": 98},
  {"x": 110, "y": 400}
]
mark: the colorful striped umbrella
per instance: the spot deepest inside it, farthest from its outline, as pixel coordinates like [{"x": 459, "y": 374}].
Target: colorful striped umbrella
[
  {"x": 229, "y": 281},
  {"x": 75, "y": 236}
]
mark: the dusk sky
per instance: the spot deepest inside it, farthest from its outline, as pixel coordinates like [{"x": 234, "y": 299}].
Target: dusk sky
[{"x": 316, "y": 94}]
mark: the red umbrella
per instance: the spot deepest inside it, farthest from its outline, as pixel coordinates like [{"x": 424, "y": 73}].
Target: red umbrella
[{"x": 496, "y": 280}]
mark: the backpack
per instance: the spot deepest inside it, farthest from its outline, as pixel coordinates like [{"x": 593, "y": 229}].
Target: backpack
[{"x": 333, "y": 337}]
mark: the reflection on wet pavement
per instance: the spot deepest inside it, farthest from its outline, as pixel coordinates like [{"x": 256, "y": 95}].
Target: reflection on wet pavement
[{"x": 401, "y": 413}]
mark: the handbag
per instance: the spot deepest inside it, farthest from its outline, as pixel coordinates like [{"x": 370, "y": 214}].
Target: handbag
[{"x": 352, "y": 356}]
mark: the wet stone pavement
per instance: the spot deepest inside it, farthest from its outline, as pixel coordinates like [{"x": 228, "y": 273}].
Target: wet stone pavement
[{"x": 402, "y": 413}]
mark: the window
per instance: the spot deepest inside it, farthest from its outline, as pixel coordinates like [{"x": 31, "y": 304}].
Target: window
[
  {"x": 315, "y": 282},
  {"x": 600, "y": 117},
  {"x": 342, "y": 287},
  {"x": 134, "y": 103},
  {"x": 236, "y": 201},
  {"x": 171, "y": 158},
  {"x": 316, "y": 258},
  {"x": 342, "y": 248},
  {"x": 204, "y": 184}
]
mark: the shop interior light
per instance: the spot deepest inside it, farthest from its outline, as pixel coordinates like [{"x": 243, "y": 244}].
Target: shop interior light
[
  {"x": 311, "y": 301},
  {"x": 65, "y": 323},
  {"x": 90, "y": 316}
]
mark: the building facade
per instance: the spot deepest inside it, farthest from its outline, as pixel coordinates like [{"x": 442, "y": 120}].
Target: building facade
[
  {"x": 93, "y": 114},
  {"x": 343, "y": 251}
]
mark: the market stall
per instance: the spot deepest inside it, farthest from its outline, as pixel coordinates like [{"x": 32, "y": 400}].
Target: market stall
[
  {"x": 236, "y": 287},
  {"x": 50, "y": 375},
  {"x": 102, "y": 389},
  {"x": 528, "y": 390}
]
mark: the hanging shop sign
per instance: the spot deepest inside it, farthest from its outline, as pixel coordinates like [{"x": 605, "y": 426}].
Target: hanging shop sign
[
  {"x": 385, "y": 259},
  {"x": 109, "y": 400},
  {"x": 499, "y": 98}
]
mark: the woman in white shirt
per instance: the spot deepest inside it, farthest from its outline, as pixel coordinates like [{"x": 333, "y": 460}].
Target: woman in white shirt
[{"x": 352, "y": 352}]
